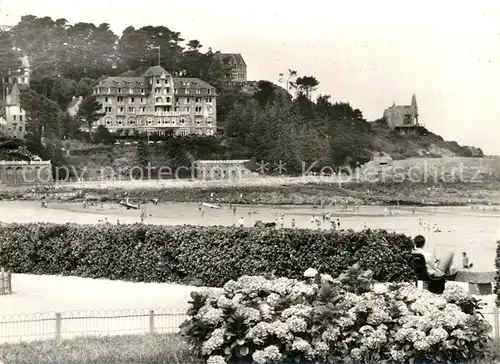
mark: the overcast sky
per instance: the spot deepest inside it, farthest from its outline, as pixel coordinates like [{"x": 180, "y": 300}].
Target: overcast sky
[{"x": 370, "y": 53}]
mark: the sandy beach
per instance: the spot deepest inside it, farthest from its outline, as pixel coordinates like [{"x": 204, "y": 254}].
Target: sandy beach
[{"x": 462, "y": 229}]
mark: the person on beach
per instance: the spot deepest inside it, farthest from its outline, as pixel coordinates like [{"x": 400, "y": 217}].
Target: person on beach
[
  {"x": 435, "y": 267},
  {"x": 312, "y": 219},
  {"x": 338, "y": 224},
  {"x": 293, "y": 223},
  {"x": 241, "y": 221},
  {"x": 234, "y": 210},
  {"x": 465, "y": 261},
  {"x": 282, "y": 221}
]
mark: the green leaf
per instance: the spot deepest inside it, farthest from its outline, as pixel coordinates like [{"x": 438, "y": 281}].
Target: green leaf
[{"x": 243, "y": 350}]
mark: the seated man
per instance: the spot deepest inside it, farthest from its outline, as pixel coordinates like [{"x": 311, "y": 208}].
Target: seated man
[{"x": 435, "y": 268}]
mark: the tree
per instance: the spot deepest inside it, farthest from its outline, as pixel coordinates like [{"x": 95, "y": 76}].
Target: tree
[
  {"x": 9, "y": 59},
  {"x": 306, "y": 85},
  {"x": 103, "y": 136},
  {"x": 143, "y": 154},
  {"x": 43, "y": 115},
  {"x": 89, "y": 112},
  {"x": 194, "y": 45}
]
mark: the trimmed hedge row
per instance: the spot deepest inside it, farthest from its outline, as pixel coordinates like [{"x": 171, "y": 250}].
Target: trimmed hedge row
[
  {"x": 497, "y": 278},
  {"x": 206, "y": 255}
]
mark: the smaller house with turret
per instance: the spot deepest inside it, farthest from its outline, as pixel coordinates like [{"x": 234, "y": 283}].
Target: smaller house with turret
[
  {"x": 13, "y": 118},
  {"x": 403, "y": 118}
]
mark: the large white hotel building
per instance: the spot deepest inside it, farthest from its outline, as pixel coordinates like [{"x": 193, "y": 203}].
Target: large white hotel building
[{"x": 156, "y": 104}]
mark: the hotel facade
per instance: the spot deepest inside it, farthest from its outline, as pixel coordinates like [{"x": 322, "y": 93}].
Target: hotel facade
[{"x": 157, "y": 104}]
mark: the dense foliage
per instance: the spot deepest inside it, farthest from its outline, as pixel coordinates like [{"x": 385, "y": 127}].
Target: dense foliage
[
  {"x": 497, "y": 266},
  {"x": 207, "y": 255},
  {"x": 260, "y": 119},
  {"x": 350, "y": 319}
]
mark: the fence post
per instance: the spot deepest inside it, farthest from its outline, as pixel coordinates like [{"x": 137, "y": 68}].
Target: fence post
[
  {"x": 3, "y": 281},
  {"x": 496, "y": 323},
  {"x": 9, "y": 281},
  {"x": 58, "y": 326},
  {"x": 151, "y": 322}
]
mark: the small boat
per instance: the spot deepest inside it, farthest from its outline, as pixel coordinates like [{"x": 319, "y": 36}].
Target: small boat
[
  {"x": 128, "y": 205},
  {"x": 212, "y": 206}
]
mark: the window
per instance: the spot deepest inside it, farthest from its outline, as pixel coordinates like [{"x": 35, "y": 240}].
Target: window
[
  {"x": 187, "y": 91},
  {"x": 143, "y": 109},
  {"x": 106, "y": 99},
  {"x": 142, "y": 91},
  {"x": 109, "y": 90},
  {"x": 119, "y": 99},
  {"x": 107, "y": 109},
  {"x": 132, "y": 100},
  {"x": 22, "y": 79},
  {"x": 119, "y": 90},
  {"x": 188, "y": 100},
  {"x": 131, "y": 121},
  {"x": 186, "y": 109},
  {"x": 182, "y": 121},
  {"x": 198, "y": 108},
  {"x": 209, "y": 121},
  {"x": 198, "y": 121},
  {"x": 183, "y": 132},
  {"x": 108, "y": 121},
  {"x": 150, "y": 120},
  {"x": 208, "y": 99},
  {"x": 20, "y": 128},
  {"x": 20, "y": 118},
  {"x": 168, "y": 99},
  {"x": 157, "y": 81},
  {"x": 198, "y": 91},
  {"x": 119, "y": 121},
  {"x": 14, "y": 117},
  {"x": 120, "y": 109},
  {"x": 131, "y": 109},
  {"x": 131, "y": 90},
  {"x": 198, "y": 99},
  {"x": 158, "y": 99},
  {"x": 157, "y": 90},
  {"x": 168, "y": 90}
]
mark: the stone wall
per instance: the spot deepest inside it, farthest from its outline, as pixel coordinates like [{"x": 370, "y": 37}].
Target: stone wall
[
  {"x": 222, "y": 169},
  {"x": 25, "y": 172}
]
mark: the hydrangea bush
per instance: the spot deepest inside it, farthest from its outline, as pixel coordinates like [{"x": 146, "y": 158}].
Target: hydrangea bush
[{"x": 319, "y": 319}]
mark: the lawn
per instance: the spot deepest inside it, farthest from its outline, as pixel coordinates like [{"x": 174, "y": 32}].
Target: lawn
[{"x": 144, "y": 349}]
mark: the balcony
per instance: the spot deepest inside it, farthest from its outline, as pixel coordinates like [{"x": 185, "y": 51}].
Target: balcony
[
  {"x": 171, "y": 113},
  {"x": 161, "y": 101}
]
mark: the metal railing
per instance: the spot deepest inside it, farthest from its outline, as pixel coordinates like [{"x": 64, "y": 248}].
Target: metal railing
[{"x": 67, "y": 325}]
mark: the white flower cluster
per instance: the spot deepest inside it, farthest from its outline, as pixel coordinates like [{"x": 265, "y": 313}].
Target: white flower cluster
[
  {"x": 282, "y": 311},
  {"x": 270, "y": 354},
  {"x": 214, "y": 342},
  {"x": 216, "y": 359}
]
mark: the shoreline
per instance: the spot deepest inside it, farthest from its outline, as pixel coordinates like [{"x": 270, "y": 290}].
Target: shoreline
[{"x": 274, "y": 192}]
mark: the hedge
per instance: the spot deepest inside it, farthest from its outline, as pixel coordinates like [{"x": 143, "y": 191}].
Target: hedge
[
  {"x": 194, "y": 254},
  {"x": 497, "y": 278}
]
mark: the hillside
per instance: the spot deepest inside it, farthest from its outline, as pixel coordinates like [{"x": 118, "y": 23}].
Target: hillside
[{"x": 258, "y": 120}]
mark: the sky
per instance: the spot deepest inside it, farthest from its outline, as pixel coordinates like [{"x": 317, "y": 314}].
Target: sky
[{"x": 368, "y": 53}]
